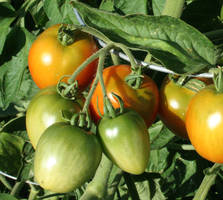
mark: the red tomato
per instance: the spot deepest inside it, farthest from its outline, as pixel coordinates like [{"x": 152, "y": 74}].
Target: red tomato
[
  {"x": 174, "y": 100},
  {"x": 204, "y": 123},
  {"x": 49, "y": 60},
  {"x": 143, "y": 100}
]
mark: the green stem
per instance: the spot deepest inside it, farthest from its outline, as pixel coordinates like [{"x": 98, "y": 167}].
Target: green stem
[
  {"x": 90, "y": 93},
  {"x": 207, "y": 182},
  {"x": 108, "y": 108},
  {"x": 115, "y": 59},
  {"x": 129, "y": 54},
  {"x": 33, "y": 192},
  {"x": 100, "y": 72},
  {"x": 173, "y": 8},
  {"x": 5, "y": 182},
  {"x": 92, "y": 31},
  {"x": 16, "y": 188},
  {"x": 148, "y": 58},
  {"x": 88, "y": 61},
  {"x": 97, "y": 188}
]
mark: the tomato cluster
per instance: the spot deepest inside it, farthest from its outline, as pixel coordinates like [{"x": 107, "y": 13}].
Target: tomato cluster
[{"x": 67, "y": 155}]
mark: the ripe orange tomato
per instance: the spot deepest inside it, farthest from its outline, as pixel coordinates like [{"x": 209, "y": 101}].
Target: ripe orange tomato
[
  {"x": 174, "y": 100},
  {"x": 49, "y": 60},
  {"x": 204, "y": 123},
  {"x": 143, "y": 100}
]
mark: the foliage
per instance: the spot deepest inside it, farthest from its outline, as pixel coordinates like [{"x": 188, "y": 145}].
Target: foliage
[{"x": 187, "y": 45}]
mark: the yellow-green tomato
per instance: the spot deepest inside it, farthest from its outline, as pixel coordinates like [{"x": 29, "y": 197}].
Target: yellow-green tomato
[
  {"x": 65, "y": 158},
  {"x": 125, "y": 140},
  {"x": 174, "y": 101},
  {"x": 46, "y": 108}
]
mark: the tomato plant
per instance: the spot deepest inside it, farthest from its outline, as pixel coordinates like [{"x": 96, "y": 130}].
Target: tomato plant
[
  {"x": 66, "y": 157},
  {"x": 46, "y": 108},
  {"x": 126, "y": 141},
  {"x": 174, "y": 100},
  {"x": 144, "y": 100},
  {"x": 49, "y": 59},
  {"x": 85, "y": 39},
  {"x": 204, "y": 124}
]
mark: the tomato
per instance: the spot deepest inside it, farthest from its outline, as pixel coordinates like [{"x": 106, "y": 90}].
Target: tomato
[
  {"x": 204, "y": 123},
  {"x": 125, "y": 140},
  {"x": 144, "y": 100},
  {"x": 46, "y": 109},
  {"x": 49, "y": 60},
  {"x": 174, "y": 100},
  {"x": 65, "y": 158}
]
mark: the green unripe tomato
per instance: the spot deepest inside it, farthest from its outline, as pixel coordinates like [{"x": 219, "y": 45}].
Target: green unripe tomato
[
  {"x": 125, "y": 140},
  {"x": 65, "y": 158},
  {"x": 45, "y": 109}
]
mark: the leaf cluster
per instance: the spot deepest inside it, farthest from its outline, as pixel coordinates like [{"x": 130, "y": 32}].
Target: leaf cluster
[{"x": 188, "y": 45}]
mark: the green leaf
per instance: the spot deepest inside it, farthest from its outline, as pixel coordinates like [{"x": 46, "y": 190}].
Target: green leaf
[
  {"x": 59, "y": 12},
  {"x": 38, "y": 14},
  {"x": 143, "y": 190},
  {"x": 177, "y": 45},
  {"x": 131, "y": 7},
  {"x": 68, "y": 14},
  {"x": 52, "y": 11},
  {"x": 6, "y": 17},
  {"x": 158, "y": 6},
  {"x": 158, "y": 160},
  {"x": 107, "y": 5},
  {"x": 113, "y": 182},
  {"x": 12, "y": 72},
  {"x": 10, "y": 153},
  {"x": 160, "y": 136},
  {"x": 7, "y": 197}
]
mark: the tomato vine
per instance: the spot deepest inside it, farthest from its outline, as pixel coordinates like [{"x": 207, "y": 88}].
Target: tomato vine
[{"x": 115, "y": 105}]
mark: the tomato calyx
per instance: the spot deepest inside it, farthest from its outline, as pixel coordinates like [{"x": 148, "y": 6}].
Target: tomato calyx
[
  {"x": 66, "y": 34},
  {"x": 68, "y": 90},
  {"x": 82, "y": 120},
  {"x": 135, "y": 78},
  {"x": 109, "y": 110},
  {"x": 188, "y": 82}
]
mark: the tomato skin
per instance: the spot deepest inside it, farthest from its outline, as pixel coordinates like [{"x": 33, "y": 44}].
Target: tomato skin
[
  {"x": 204, "y": 123},
  {"x": 46, "y": 109},
  {"x": 49, "y": 60},
  {"x": 144, "y": 100},
  {"x": 174, "y": 101},
  {"x": 65, "y": 158},
  {"x": 125, "y": 140}
]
